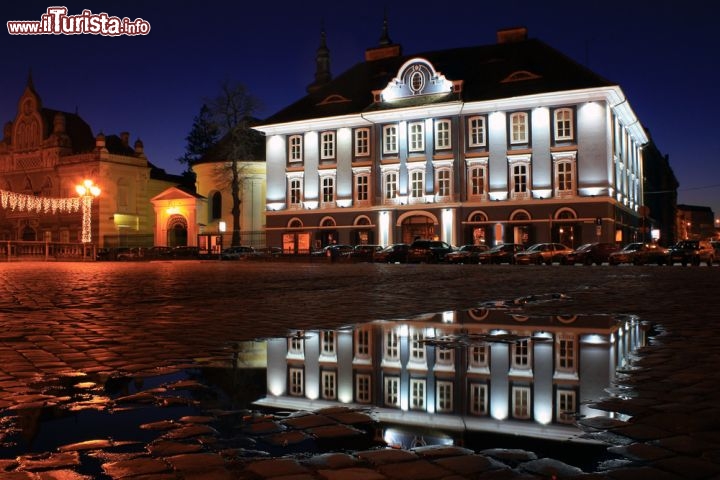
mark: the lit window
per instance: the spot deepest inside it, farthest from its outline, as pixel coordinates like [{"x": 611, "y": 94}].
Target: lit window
[
  {"x": 329, "y": 385},
  {"x": 296, "y": 345},
  {"x": 296, "y": 148},
  {"x": 327, "y": 145},
  {"x": 417, "y": 394},
  {"x": 417, "y": 137},
  {"x": 442, "y": 135},
  {"x": 444, "y": 183},
  {"x": 478, "y": 399},
  {"x": 476, "y": 131},
  {"x": 566, "y": 406},
  {"x": 297, "y": 382},
  {"x": 519, "y": 177},
  {"x": 417, "y": 184},
  {"x": 362, "y": 142},
  {"x": 521, "y": 402},
  {"x": 563, "y": 124},
  {"x": 392, "y": 391},
  {"x": 444, "y": 396},
  {"x": 518, "y": 128},
  {"x": 390, "y": 139},
  {"x": 444, "y": 356},
  {"x": 363, "y": 394},
  {"x": 478, "y": 356}
]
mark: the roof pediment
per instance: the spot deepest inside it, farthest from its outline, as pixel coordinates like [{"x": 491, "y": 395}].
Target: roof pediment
[
  {"x": 173, "y": 193},
  {"x": 416, "y": 77}
]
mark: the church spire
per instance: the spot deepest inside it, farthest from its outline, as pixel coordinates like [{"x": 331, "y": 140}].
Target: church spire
[
  {"x": 386, "y": 47},
  {"x": 322, "y": 63},
  {"x": 385, "y": 37}
]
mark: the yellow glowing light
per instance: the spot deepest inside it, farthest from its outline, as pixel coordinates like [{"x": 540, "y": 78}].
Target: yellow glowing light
[{"x": 87, "y": 191}]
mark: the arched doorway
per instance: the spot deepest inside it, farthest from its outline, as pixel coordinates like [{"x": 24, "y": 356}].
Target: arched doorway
[
  {"x": 364, "y": 234},
  {"x": 177, "y": 231},
  {"x": 328, "y": 233},
  {"x": 522, "y": 233},
  {"x": 418, "y": 226},
  {"x": 565, "y": 229},
  {"x": 477, "y": 230}
]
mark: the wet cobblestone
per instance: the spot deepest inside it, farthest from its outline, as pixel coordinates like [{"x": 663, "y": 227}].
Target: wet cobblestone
[{"x": 83, "y": 324}]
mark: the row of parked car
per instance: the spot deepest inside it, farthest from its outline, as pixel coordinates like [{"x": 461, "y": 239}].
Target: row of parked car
[{"x": 685, "y": 252}]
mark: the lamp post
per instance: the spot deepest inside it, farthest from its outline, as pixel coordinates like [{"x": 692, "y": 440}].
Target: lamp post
[{"x": 87, "y": 191}]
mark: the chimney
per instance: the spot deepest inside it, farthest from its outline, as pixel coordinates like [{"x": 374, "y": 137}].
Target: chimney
[{"x": 512, "y": 35}]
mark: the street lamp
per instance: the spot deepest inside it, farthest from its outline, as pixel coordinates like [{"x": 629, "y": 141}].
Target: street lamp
[{"x": 87, "y": 191}]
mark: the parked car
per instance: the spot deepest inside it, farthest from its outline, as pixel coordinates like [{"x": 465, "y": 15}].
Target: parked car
[
  {"x": 237, "y": 253},
  {"x": 639, "y": 253},
  {"x": 364, "y": 253},
  {"x": 333, "y": 251},
  {"x": 185, "y": 252},
  {"x": 693, "y": 252},
  {"x": 428, "y": 251},
  {"x": 503, "y": 253},
  {"x": 597, "y": 253},
  {"x": 125, "y": 254},
  {"x": 716, "y": 246},
  {"x": 547, "y": 253},
  {"x": 395, "y": 253},
  {"x": 467, "y": 254},
  {"x": 156, "y": 252}
]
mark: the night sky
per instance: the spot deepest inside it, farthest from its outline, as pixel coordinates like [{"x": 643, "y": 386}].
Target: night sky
[{"x": 662, "y": 53}]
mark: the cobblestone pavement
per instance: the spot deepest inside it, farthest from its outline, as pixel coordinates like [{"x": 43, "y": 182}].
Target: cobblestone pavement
[{"x": 95, "y": 320}]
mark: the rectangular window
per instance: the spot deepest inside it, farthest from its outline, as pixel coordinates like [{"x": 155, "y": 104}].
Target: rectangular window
[
  {"x": 444, "y": 356},
  {"x": 442, "y": 135},
  {"x": 391, "y": 186},
  {"x": 295, "y": 344},
  {"x": 477, "y": 181},
  {"x": 417, "y": 137},
  {"x": 563, "y": 124},
  {"x": 362, "y": 344},
  {"x": 327, "y": 343},
  {"x": 476, "y": 132},
  {"x": 443, "y": 183},
  {"x": 478, "y": 356},
  {"x": 566, "y": 354},
  {"x": 392, "y": 349},
  {"x": 295, "y": 192},
  {"x": 362, "y": 142},
  {"x": 362, "y": 188},
  {"x": 518, "y": 128},
  {"x": 417, "y": 346},
  {"x": 329, "y": 385},
  {"x": 328, "y": 189},
  {"x": 417, "y": 184},
  {"x": 297, "y": 382},
  {"x": 478, "y": 399},
  {"x": 417, "y": 394},
  {"x": 521, "y": 354},
  {"x": 565, "y": 177},
  {"x": 363, "y": 394},
  {"x": 566, "y": 406},
  {"x": 390, "y": 139},
  {"x": 521, "y": 402},
  {"x": 296, "y": 148},
  {"x": 444, "y": 396},
  {"x": 327, "y": 145},
  {"x": 392, "y": 391},
  {"x": 520, "y": 178}
]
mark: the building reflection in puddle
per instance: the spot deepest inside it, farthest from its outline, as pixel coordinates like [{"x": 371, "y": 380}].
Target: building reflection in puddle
[{"x": 448, "y": 374}]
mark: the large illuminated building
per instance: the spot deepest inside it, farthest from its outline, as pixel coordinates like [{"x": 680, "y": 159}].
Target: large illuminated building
[
  {"x": 509, "y": 142},
  {"x": 45, "y": 154}
]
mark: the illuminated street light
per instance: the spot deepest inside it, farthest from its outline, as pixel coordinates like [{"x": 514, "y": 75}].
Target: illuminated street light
[{"x": 87, "y": 191}]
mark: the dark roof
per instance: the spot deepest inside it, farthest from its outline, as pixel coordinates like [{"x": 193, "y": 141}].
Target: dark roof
[
  {"x": 115, "y": 145},
  {"x": 222, "y": 151},
  {"x": 81, "y": 136},
  {"x": 481, "y": 68}
]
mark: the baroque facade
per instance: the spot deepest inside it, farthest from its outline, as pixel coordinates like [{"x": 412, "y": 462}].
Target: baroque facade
[
  {"x": 45, "y": 154},
  {"x": 505, "y": 143}
]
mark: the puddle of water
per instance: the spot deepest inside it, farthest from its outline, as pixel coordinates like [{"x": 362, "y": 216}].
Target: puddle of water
[{"x": 484, "y": 378}]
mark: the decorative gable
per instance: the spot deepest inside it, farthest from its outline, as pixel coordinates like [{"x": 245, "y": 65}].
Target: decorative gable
[{"x": 416, "y": 77}]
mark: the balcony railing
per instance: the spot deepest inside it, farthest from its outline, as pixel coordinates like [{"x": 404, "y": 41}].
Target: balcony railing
[{"x": 15, "y": 250}]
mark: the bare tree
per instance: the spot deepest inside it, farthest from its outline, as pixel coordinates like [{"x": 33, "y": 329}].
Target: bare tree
[{"x": 233, "y": 112}]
